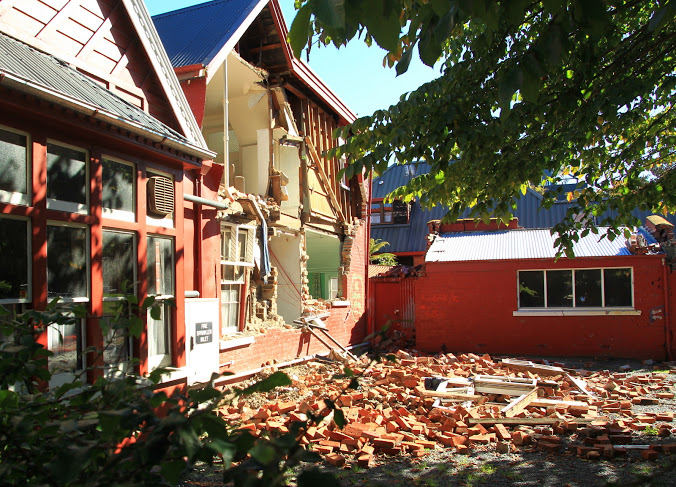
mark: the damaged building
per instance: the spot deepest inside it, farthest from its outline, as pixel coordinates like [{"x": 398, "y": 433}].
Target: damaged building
[{"x": 293, "y": 238}]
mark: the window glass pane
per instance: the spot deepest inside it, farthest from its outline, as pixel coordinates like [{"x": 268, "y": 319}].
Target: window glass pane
[
  {"x": 375, "y": 218},
  {"x": 158, "y": 331},
  {"x": 13, "y": 165},
  {"x": 241, "y": 245},
  {"x": 226, "y": 235},
  {"x": 66, "y": 174},
  {"x": 118, "y": 186},
  {"x": 588, "y": 288},
  {"x": 559, "y": 289},
  {"x": 116, "y": 342},
  {"x": 388, "y": 216},
  {"x": 66, "y": 262},
  {"x": 118, "y": 263},
  {"x": 531, "y": 289},
  {"x": 66, "y": 343},
  {"x": 160, "y": 266},
  {"x": 230, "y": 305},
  {"x": 617, "y": 284},
  {"x": 13, "y": 259}
]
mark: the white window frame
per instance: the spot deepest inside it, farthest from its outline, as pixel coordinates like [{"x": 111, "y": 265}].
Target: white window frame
[
  {"x": 163, "y": 360},
  {"x": 15, "y": 197},
  {"x": 575, "y": 310},
  {"x": 88, "y": 259},
  {"x": 58, "y": 379},
  {"x": 69, "y": 206},
  {"x": 122, "y": 215},
  {"x": 167, "y": 221},
  {"x": 29, "y": 258}
]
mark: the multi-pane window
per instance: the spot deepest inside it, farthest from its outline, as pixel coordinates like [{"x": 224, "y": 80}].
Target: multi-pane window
[
  {"x": 14, "y": 261},
  {"x": 397, "y": 212},
  {"x": 236, "y": 255},
  {"x": 118, "y": 279},
  {"x": 160, "y": 265},
  {"x": 119, "y": 190},
  {"x": 576, "y": 288},
  {"x": 67, "y": 178},
  {"x": 14, "y": 167}
]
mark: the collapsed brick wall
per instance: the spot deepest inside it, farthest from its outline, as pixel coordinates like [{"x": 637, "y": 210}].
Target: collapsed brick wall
[{"x": 346, "y": 323}]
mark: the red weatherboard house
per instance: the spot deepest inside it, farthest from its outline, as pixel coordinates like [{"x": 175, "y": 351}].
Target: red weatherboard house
[
  {"x": 503, "y": 292},
  {"x": 97, "y": 148}
]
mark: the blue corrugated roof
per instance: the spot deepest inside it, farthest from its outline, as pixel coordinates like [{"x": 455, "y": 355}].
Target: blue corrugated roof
[
  {"x": 412, "y": 237},
  {"x": 194, "y": 35},
  {"x": 30, "y": 65},
  {"x": 517, "y": 244}
]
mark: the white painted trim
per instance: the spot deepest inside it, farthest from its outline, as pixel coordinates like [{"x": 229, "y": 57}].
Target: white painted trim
[
  {"x": 145, "y": 28},
  {"x": 578, "y": 312},
  {"x": 219, "y": 54},
  {"x": 236, "y": 342}
]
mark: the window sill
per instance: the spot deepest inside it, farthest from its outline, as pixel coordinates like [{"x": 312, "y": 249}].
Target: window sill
[
  {"x": 578, "y": 312},
  {"x": 236, "y": 342},
  {"x": 340, "y": 304}
]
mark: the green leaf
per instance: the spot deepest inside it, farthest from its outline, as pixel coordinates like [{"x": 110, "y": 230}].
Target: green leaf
[
  {"x": 172, "y": 470},
  {"x": 405, "y": 61},
  {"x": 263, "y": 452},
  {"x": 300, "y": 30},
  {"x": 315, "y": 478},
  {"x": 204, "y": 394},
  {"x": 331, "y": 13},
  {"x": 278, "y": 379},
  {"x": 135, "y": 326},
  {"x": 156, "y": 312},
  {"x": 339, "y": 418},
  {"x": 381, "y": 18}
]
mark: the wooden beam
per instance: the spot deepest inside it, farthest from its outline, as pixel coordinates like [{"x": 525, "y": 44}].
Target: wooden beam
[
  {"x": 527, "y": 366},
  {"x": 449, "y": 395},
  {"x": 527, "y": 421},
  {"x": 519, "y": 404},
  {"x": 267, "y": 47},
  {"x": 317, "y": 162}
]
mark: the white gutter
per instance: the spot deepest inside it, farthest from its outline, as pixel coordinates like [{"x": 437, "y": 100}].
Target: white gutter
[{"x": 101, "y": 114}]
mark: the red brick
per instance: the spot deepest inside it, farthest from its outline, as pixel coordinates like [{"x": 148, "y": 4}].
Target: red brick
[
  {"x": 649, "y": 454},
  {"x": 335, "y": 459}
]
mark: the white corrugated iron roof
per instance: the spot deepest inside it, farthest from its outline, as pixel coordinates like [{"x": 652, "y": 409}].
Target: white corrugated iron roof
[{"x": 517, "y": 244}]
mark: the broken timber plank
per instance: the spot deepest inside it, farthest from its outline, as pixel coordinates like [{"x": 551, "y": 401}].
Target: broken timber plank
[
  {"x": 321, "y": 327},
  {"x": 526, "y": 421},
  {"x": 542, "y": 402},
  {"x": 580, "y": 384},
  {"x": 317, "y": 162},
  {"x": 519, "y": 404},
  {"x": 527, "y": 366},
  {"x": 448, "y": 395}
]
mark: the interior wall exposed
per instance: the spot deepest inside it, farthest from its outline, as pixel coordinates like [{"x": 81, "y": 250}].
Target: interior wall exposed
[{"x": 285, "y": 254}]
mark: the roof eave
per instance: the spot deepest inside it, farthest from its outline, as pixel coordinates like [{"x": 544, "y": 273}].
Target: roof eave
[
  {"x": 145, "y": 28},
  {"x": 48, "y": 94}
]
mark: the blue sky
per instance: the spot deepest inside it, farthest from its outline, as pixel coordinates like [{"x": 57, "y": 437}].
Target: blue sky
[{"x": 355, "y": 73}]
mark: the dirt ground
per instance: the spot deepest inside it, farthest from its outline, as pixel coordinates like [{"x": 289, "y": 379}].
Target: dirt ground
[{"x": 525, "y": 467}]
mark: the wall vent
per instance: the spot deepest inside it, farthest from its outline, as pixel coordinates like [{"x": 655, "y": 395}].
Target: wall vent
[{"x": 160, "y": 195}]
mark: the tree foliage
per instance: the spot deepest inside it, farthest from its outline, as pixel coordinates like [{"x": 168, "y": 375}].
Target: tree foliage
[
  {"x": 532, "y": 93},
  {"x": 123, "y": 431},
  {"x": 382, "y": 258}
]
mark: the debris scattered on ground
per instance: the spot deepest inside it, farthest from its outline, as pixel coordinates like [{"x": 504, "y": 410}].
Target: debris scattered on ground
[{"x": 469, "y": 403}]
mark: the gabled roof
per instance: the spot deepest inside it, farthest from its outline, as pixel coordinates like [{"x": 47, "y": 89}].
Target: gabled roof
[
  {"x": 195, "y": 35},
  {"x": 517, "y": 244},
  {"x": 28, "y": 70},
  {"x": 204, "y": 34}
]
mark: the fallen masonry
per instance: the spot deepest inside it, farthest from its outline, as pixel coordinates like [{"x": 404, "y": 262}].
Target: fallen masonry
[{"x": 468, "y": 403}]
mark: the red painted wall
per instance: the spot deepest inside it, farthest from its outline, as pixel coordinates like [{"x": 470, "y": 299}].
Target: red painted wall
[{"x": 468, "y": 307}]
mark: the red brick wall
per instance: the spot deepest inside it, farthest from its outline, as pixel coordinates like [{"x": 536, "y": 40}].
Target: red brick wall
[{"x": 468, "y": 307}]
